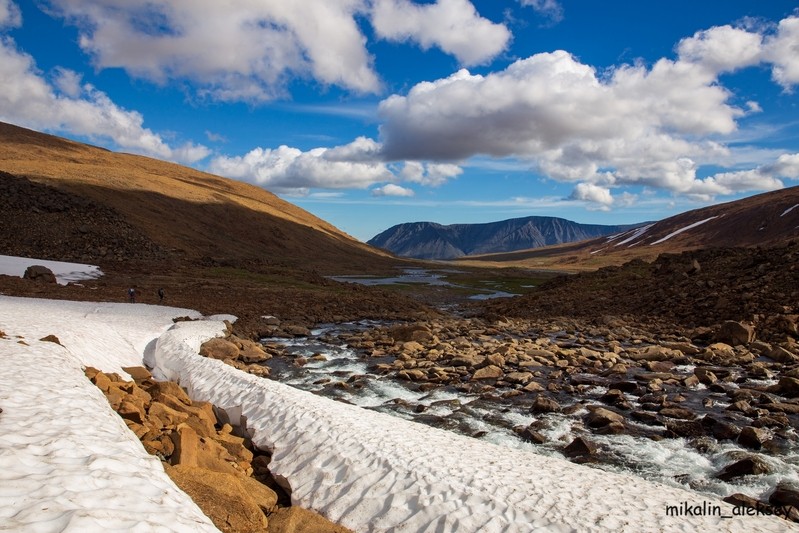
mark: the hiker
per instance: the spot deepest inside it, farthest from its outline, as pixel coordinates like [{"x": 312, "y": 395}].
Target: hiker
[
  {"x": 160, "y": 295},
  {"x": 132, "y": 295}
]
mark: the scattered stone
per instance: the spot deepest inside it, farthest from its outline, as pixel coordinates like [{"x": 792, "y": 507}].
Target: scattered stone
[
  {"x": 544, "y": 404},
  {"x": 39, "y": 273},
  {"x": 720, "y": 429},
  {"x": 219, "y": 348},
  {"x": 787, "y": 386},
  {"x": 753, "y": 437},
  {"x": 735, "y": 333},
  {"x": 599, "y": 417},
  {"x": 51, "y": 338},
  {"x": 529, "y": 434},
  {"x": 786, "y": 493},
  {"x": 748, "y": 466},
  {"x": 678, "y": 412},
  {"x": 580, "y": 449},
  {"x": 487, "y": 372}
]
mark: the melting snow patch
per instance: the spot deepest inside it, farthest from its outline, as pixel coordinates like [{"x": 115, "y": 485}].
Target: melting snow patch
[
  {"x": 64, "y": 272},
  {"x": 681, "y": 230},
  {"x": 636, "y": 234},
  {"x": 789, "y": 210}
]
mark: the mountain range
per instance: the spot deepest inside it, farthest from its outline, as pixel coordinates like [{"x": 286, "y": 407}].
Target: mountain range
[
  {"x": 763, "y": 220},
  {"x": 428, "y": 240}
]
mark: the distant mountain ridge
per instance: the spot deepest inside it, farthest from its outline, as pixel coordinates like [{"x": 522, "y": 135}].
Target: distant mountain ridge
[{"x": 428, "y": 240}]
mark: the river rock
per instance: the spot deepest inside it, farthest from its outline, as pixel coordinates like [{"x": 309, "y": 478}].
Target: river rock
[
  {"x": 748, "y": 466},
  {"x": 580, "y": 449},
  {"x": 520, "y": 378},
  {"x": 599, "y": 417},
  {"x": 720, "y": 429},
  {"x": 786, "y": 493},
  {"x": 654, "y": 353},
  {"x": 544, "y": 404},
  {"x": 678, "y": 412},
  {"x": 529, "y": 434},
  {"x": 753, "y": 437},
  {"x": 735, "y": 333},
  {"x": 488, "y": 372},
  {"x": 787, "y": 386}
]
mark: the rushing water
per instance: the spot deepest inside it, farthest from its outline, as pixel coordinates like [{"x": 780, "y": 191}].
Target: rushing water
[{"x": 337, "y": 371}]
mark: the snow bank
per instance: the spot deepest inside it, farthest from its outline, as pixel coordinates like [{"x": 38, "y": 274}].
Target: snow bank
[
  {"x": 636, "y": 233},
  {"x": 107, "y": 336},
  {"x": 373, "y": 472},
  {"x": 67, "y": 461},
  {"x": 789, "y": 210},
  {"x": 64, "y": 272},
  {"x": 681, "y": 230}
]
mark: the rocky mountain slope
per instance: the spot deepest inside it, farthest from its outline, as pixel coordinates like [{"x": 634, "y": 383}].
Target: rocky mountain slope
[
  {"x": 66, "y": 200},
  {"x": 428, "y": 240},
  {"x": 694, "y": 289},
  {"x": 766, "y": 219}
]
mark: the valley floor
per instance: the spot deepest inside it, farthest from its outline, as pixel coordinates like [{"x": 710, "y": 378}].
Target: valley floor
[{"x": 365, "y": 470}]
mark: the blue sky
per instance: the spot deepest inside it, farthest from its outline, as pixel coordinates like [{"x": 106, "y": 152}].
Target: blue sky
[{"x": 369, "y": 113}]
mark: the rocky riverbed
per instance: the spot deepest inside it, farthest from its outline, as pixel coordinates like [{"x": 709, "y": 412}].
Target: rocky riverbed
[{"x": 712, "y": 409}]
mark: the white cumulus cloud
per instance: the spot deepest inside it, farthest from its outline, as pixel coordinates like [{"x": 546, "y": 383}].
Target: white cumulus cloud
[
  {"x": 429, "y": 174},
  {"x": 782, "y": 50},
  {"x": 594, "y": 194},
  {"x": 635, "y": 124},
  {"x": 10, "y": 17},
  {"x": 550, "y": 9},
  {"x": 291, "y": 170},
  {"x": 390, "y": 189},
  {"x": 249, "y": 50},
  {"x": 69, "y": 105},
  {"x": 452, "y": 25}
]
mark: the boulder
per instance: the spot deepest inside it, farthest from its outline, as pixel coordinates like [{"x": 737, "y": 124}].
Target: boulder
[
  {"x": 544, "y": 404},
  {"x": 748, "y": 466},
  {"x": 599, "y": 417},
  {"x": 299, "y": 520},
  {"x": 488, "y": 372},
  {"x": 753, "y": 437},
  {"x": 407, "y": 333},
  {"x": 222, "y": 497},
  {"x": 168, "y": 392},
  {"x": 786, "y": 493},
  {"x": 654, "y": 353},
  {"x": 219, "y": 348},
  {"x": 787, "y": 386},
  {"x": 529, "y": 434},
  {"x": 683, "y": 428},
  {"x": 720, "y": 429},
  {"x": 580, "y": 448},
  {"x": 735, "y": 333},
  {"x": 39, "y": 273},
  {"x": 520, "y": 378},
  {"x": 678, "y": 412},
  {"x": 138, "y": 373}
]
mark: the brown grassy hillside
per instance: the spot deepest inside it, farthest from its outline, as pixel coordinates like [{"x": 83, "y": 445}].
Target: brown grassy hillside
[{"x": 184, "y": 213}]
